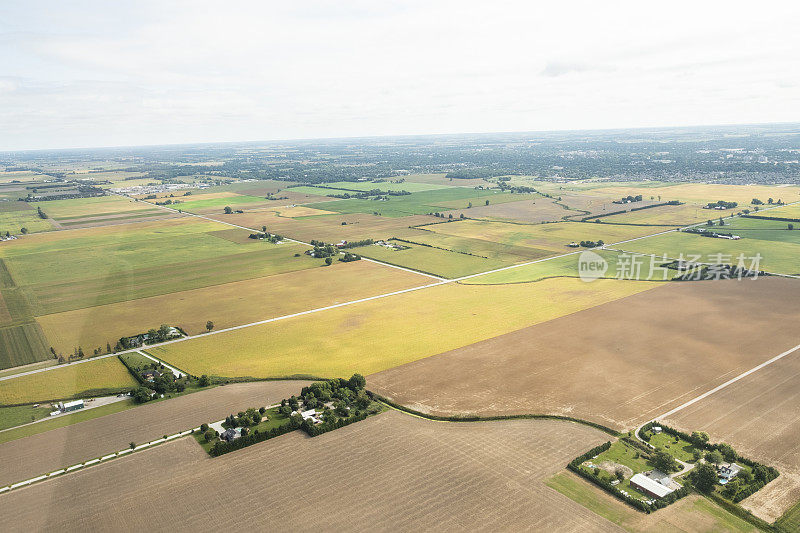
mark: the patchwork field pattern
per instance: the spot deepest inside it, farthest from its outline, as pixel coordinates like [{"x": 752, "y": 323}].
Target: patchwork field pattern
[
  {"x": 440, "y": 476},
  {"x": 619, "y": 364}
]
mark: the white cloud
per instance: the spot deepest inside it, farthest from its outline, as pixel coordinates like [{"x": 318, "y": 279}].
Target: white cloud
[{"x": 94, "y": 73}]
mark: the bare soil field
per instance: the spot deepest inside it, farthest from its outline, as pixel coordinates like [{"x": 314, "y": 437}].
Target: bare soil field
[
  {"x": 530, "y": 211},
  {"x": 618, "y": 364},
  {"x": 389, "y": 473},
  {"x": 760, "y": 417},
  {"x": 45, "y": 452}
]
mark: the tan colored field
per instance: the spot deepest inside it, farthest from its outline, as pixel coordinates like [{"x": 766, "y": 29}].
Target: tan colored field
[
  {"x": 707, "y": 192},
  {"x": 300, "y": 211},
  {"x": 45, "y": 452},
  {"x": 675, "y": 215},
  {"x": 371, "y": 336},
  {"x": 329, "y": 228},
  {"x": 618, "y": 364},
  {"x": 531, "y": 211},
  {"x": 787, "y": 211},
  {"x": 67, "y": 381},
  {"x": 390, "y": 472},
  {"x": 229, "y": 304},
  {"x": 760, "y": 417},
  {"x": 555, "y": 237}
]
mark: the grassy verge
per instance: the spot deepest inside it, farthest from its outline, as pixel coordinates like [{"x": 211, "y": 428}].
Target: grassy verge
[{"x": 22, "y": 414}]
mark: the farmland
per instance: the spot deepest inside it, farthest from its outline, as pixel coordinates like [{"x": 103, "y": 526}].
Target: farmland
[
  {"x": 106, "y": 375},
  {"x": 226, "y": 304},
  {"x": 372, "y": 336},
  {"x": 487, "y": 475},
  {"x": 758, "y": 416},
  {"x": 28, "y": 457},
  {"x": 571, "y": 365},
  {"x": 431, "y": 260}
]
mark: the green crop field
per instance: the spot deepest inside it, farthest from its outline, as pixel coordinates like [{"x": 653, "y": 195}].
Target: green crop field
[
  {"x": 479, "y": 247},
  {"x": 778, "y": 257},
  {"x": 22, "y": 344},
  {"x": 384, "y": 333},
  {"x": 419, "y": 203},
  {"x": 22, "y": 414},
  {"x": 206, "y": 204},
  {"x": 103, "y": 376},
  {"x": 431, "y": 260},
  {"x": 409, "y": 186},
  {"x": 14, "y": 221}
]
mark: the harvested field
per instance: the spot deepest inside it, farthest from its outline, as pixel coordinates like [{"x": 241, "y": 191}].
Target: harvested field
[
  {"x": 399, "y": 473},
  {"x": 228, "y": 304},
  {"x": 105, "y": 375},
  {"x": 378, "y": 334},
  {"x": 760, "y": 417},
  {"x": 530, "y": 211},
  {"x": 787, "y": 211},
  {"x": 487, "y": 249},
  {"x": 618, "y": 364},
  {"x": 674, "y": 215},
  {"x": 300, "y": 211},
  {"x": 38, "y": 454}
]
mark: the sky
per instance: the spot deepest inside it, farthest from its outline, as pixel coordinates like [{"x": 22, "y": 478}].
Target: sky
[{"x": 85, "y": 74}]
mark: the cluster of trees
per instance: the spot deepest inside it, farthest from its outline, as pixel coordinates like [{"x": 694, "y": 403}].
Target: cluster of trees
[
  {"x": 223, "y": 447},
  {"x": 322, "y": 249},
  {"x": 249, "y": 418},
  {"x": 41, "y": 213},
  {"x": 228, "y": 210},
  {"x": 356, "y": 244},
  {"x": 770, "y": 201},
  {"x": 348, "y": 257},
  {"x": 273, "y": 238},
  {"x": 628, "y": 199},
  {"x": 592, "y": 244},
  {"x": 721, "y": 203}
]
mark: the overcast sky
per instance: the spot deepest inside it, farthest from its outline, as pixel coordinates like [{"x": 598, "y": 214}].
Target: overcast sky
[{"x": 81, "y": 74}]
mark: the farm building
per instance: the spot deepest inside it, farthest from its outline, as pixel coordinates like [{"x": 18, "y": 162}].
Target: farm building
[
  {"x": 70, "y": 406},
  {"x": 649, "y": 486}
]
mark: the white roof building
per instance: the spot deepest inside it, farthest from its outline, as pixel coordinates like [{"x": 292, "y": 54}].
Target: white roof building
[{"x": 649, "y": 486}]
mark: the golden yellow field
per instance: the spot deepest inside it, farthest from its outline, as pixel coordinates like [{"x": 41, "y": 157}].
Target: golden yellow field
[
  {"x": 66, "y": 381},
  {"x": 371, "y": 336},
  {"x": 300, "y": 211},
  {"x": 228, "y": 304}
]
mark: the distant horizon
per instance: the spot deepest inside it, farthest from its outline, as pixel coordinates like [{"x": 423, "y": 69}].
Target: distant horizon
[{"x": 396, "y": 136}]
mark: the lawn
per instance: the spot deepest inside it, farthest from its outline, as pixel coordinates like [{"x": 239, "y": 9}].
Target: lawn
[
  {"x": 371, "y": 336},
  {"x": 682, "y": 449},
  {"x": 22, "y": 414},
  {"x": 100, "y": 377},
  {"x": 778, "y": 257},
  {"x": 273, "y": 418},
  {"x": 554, "y": 237},
  {"x": 431, "y": 260}
]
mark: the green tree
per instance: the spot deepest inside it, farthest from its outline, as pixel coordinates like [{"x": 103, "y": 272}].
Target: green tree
[
  {"x": 328, "y": 260},
  {"x": 24, "y": 231},
  {"x": 664, "y": 462},
  {"x": 228, "y": 210},
  {"x": 204, "y": 381},
  {"x": 727, "y": 452},
  {"x": 731, "y": 489},
  {"x": 700, "y": 436},
  {"x": 704, "y": 477},
  {"x": 790, "y": 227},
  {"x": 209, "y": 435},
  {"x": 357, "y": 382},
  {"x": 487, "y": 202},
  {"x": 715, "y": 457},
  {"x": 209, "y": 325}
]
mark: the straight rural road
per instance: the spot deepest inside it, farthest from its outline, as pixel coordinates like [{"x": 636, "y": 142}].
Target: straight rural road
[{"x": 440, "y": 281}]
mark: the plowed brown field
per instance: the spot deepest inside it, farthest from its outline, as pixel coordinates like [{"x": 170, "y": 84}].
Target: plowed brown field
[
  {"x": 391, "y": 472},
  {"x": 49, "y": 451},
  {"x": 619, "y": 363}
]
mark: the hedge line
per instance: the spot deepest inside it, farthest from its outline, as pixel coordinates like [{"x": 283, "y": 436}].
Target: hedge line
[
  {"x": 133, "y": 372},
  {"x": 222, "y": 447},
  {"x": 779, "y": 219},
  {"x": 741, "y": 512},
  {"x": 476, "y": 418},
  {"x": 314, "y": 431},
  {"x": 437, "y": 247},
  {"x": 631, "y": 210}
]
